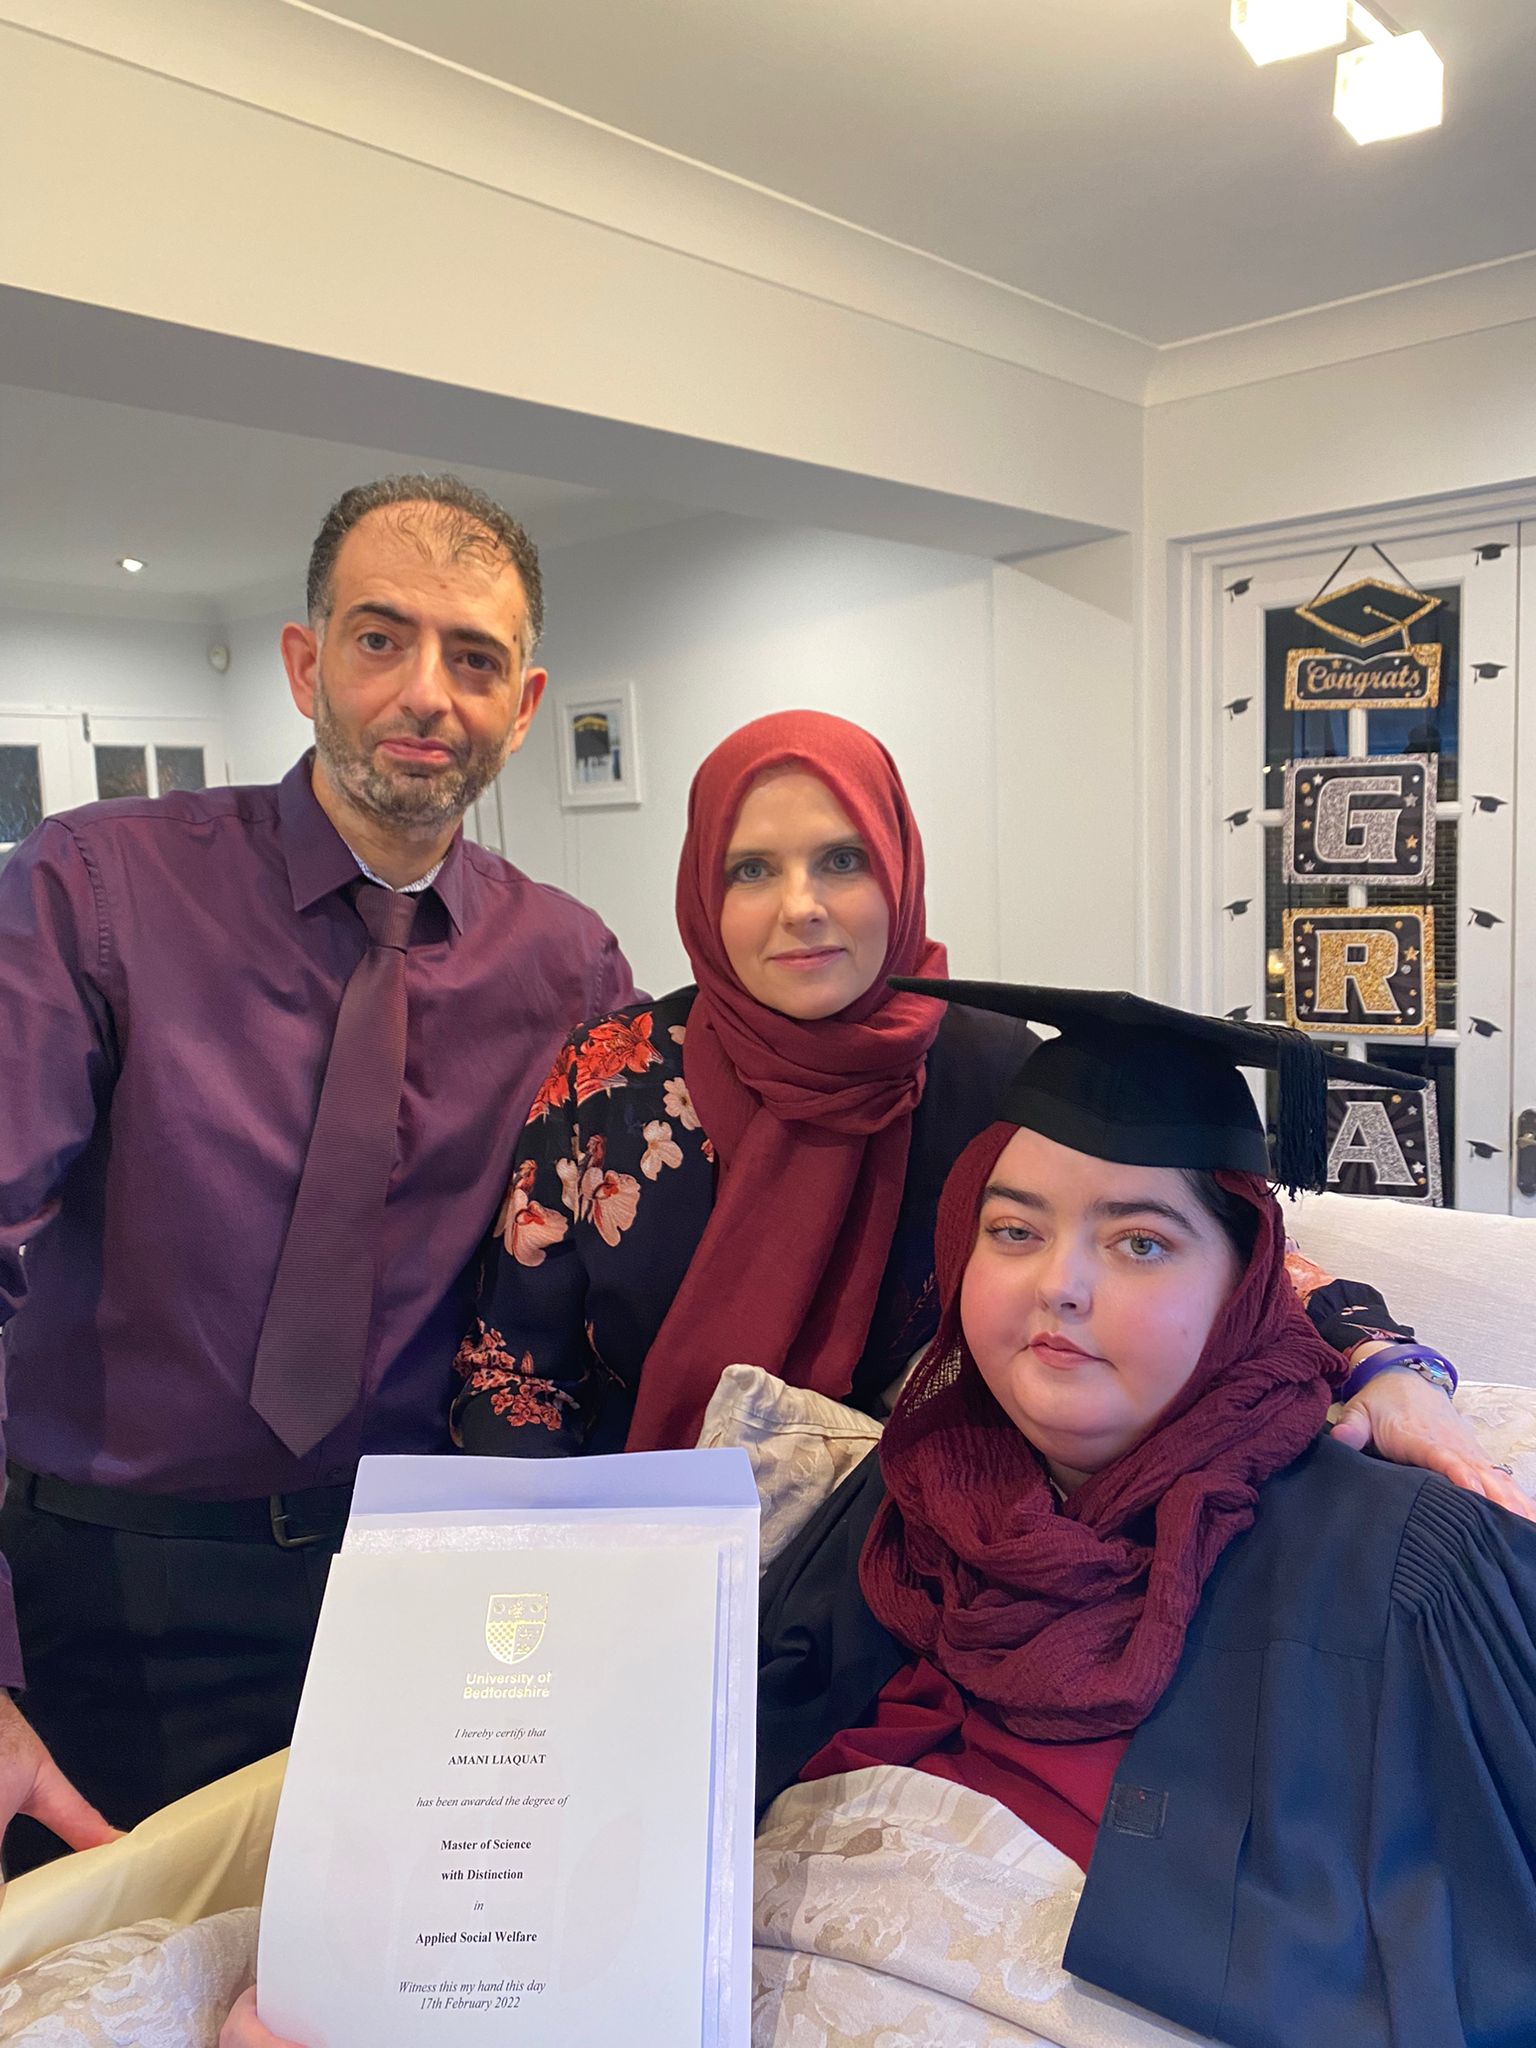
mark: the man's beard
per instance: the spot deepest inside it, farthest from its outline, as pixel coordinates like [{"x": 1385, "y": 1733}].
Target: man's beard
[{"x": 397, "y": 796}]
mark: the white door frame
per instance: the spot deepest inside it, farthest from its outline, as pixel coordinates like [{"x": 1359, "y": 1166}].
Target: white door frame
[{"x": 1200, "y": 573}]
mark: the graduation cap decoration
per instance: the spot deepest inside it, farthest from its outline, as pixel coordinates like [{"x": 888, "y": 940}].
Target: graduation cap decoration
[
  {"x": 1238, "y": 907},
  {"x": 1240, "y": 588},
  {"x": 1236, "y": 818},
  {"x": 1240, "y": 1014},
  {"x": 1369, "y": 612},
  {"x": 1488, "y": 671},
  {"x": 1490, "y": 803},
  {"x": 1237, "y": 706},
  {"x": 1485, "y": 920},
  {"x": 1490, "y": 550},
  {"x": 1484, "y": 1028},
  {"x": 1481, "y": 1149},
  {"x": 1146, "y": 1085}
]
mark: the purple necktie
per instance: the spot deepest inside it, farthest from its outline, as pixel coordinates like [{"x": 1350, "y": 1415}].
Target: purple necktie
[{"x": 308, "y": 1373}]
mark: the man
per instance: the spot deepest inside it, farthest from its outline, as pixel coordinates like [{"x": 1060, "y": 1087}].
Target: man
[{"x": 263, "y": 1056}]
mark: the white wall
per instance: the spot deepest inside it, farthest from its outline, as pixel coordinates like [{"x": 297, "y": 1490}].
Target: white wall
[
  {"x": 265, "y": 733},
  {"x": 104, "y": 664},
  {"x": 1067, "y": 767}
]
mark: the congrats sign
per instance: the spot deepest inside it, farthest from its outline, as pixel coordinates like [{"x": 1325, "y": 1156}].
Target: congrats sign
[
  {"x": 1390, "y": 673},
  {"x": 1361, "y": 973},
  {"x": 1408, "y": 680}
]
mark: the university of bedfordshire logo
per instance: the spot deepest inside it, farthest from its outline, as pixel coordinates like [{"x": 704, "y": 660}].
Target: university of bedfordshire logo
[{"x": 514, "y": 1625}]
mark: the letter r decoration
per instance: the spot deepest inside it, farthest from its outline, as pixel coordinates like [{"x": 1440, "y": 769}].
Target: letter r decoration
[{"x": 1361, "y": 972}]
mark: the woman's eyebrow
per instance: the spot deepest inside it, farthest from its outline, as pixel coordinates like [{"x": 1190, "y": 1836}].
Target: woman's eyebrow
[
  {"x": 999, "y": 1191},
  {"x": 1117, "y": 1211}
]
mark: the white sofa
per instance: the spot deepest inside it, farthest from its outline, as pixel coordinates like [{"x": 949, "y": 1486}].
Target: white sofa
[{"x": 72, "y": 1976}]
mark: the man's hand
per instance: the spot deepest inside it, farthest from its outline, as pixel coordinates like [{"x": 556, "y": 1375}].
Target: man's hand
[
  {"x": 32, "y": 1783},
  {"x": 243, "y": 2030},
  {"x": 1403, "y": 1418}
]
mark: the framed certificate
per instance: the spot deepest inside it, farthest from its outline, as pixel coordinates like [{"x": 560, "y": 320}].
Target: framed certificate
[{"x": 518, "y": 1807}]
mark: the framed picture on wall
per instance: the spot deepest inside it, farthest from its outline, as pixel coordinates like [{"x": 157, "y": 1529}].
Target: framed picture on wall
[{"x": 599, "y": 748}]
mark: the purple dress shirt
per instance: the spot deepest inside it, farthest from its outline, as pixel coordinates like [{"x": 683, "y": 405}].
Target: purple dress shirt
[{"x": 170, "y": 974}]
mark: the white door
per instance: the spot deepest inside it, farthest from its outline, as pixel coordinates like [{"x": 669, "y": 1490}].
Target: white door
[
  {"x": 1481, "y": 903},
  {"x": 153, "y": 755},
  {"x": 40, "y": 771}
]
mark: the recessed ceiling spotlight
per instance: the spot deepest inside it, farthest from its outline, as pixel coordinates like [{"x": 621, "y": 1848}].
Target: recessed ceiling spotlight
[{"x": 131, "y": 563}]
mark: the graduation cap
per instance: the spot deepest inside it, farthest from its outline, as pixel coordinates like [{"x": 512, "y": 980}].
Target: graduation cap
[
  {"x": 1146, "y": 1085},
  {"x": 1485, "y": 919},
  {"x": 1490, "y": 803},
  {"x": 1368, "y": 612},
  {"x": 1481, "y": 1149},
  {"x": 1486, "y": 671}
]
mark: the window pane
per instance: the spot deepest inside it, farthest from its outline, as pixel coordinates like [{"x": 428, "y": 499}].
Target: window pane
[
  {"x": 121, "y": 771},
  {"x": 21, "y": 792},
  {"x": 180, "y": 768}
]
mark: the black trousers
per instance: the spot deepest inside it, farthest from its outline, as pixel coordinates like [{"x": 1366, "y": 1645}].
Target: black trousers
[{"x": 154, "y": 1664}]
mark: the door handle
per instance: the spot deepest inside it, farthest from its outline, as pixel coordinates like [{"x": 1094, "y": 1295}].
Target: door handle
[{"x": 1525, "y": 1152}]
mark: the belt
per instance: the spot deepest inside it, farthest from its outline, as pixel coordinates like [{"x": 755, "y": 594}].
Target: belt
[{"x": 293, "y": 1521}]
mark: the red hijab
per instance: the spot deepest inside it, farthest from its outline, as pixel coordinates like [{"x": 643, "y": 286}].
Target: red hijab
[
  {"x": 811, "y": 1121},
  {"x": 1065, "y": 1623}
]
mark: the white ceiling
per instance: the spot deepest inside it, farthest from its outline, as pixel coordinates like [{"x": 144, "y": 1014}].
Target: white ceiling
[
  {"x": 223, "y": 516},
  {"x": 1121, "y": 158}
]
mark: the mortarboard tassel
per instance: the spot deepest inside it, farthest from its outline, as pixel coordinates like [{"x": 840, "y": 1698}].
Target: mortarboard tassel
[{"x": 1301, "y": 1125}]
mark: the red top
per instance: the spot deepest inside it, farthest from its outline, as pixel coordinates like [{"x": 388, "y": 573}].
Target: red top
[{"x": 1060, "y": 1789}]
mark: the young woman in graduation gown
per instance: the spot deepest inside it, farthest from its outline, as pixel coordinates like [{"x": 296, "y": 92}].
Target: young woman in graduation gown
[
  {"x": 1278, "y": 1699},
  {"x": 748, "y": 1169}
]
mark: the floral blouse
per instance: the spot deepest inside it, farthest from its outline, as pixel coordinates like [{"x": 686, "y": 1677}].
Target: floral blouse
[{"x": 610, "y": 1193}]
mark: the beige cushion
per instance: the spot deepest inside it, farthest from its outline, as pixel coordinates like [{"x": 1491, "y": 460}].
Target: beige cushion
[
  {"x": 1466, "y": 1283},
  {"x": 203, "y": 1855},
  {"x": 155, "y": 1985},
  {"x": 800, "y": 1445}
]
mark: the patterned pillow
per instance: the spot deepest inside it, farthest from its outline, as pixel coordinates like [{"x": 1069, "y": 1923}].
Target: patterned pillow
[
  {"x": 801, "y": 1445},
  {"x": 153, "y": 1985}
]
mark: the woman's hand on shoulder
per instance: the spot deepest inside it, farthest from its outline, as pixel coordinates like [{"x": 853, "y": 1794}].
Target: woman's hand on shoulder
[{"x": 1404, "y": 1419}]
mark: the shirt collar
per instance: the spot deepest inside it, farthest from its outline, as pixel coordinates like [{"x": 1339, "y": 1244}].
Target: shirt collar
[{"x": 319, "y": 860}]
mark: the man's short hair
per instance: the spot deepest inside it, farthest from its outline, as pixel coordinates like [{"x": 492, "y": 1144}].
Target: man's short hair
[{"x": 463, "y": 521}]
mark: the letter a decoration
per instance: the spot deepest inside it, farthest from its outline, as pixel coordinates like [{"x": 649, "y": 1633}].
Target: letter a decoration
[
  {"x": 1362, "y": 973},
  {"x": 1367, "y": 820},
  {"x": 1384, "y": 1141}
]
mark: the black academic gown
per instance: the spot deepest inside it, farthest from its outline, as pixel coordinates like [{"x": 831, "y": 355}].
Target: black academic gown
[{"x": 1325, "y": 1834}]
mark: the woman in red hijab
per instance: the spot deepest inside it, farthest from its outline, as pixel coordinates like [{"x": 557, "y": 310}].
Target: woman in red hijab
[
  {"x": 748, "y": 1170},
  {"x": 1278, "y": 1700}
]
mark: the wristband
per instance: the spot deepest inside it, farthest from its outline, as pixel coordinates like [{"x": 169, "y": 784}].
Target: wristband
[{"x": 1429, "y": 1365}]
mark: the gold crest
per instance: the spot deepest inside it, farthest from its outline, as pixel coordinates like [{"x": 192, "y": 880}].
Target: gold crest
[{"x": 514, "y": 1625}]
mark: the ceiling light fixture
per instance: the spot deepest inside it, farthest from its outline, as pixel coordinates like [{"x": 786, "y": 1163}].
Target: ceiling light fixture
[
  {"x": 1271, "y": 30},
  {"x": 131, "y": 563},
  {"x": 1394, "y": 84}
]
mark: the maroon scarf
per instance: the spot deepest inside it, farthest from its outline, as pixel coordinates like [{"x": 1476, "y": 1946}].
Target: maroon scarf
[
  {"x": 1066, "y": 1624},
  {"x": 811, "y": 1120}
]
